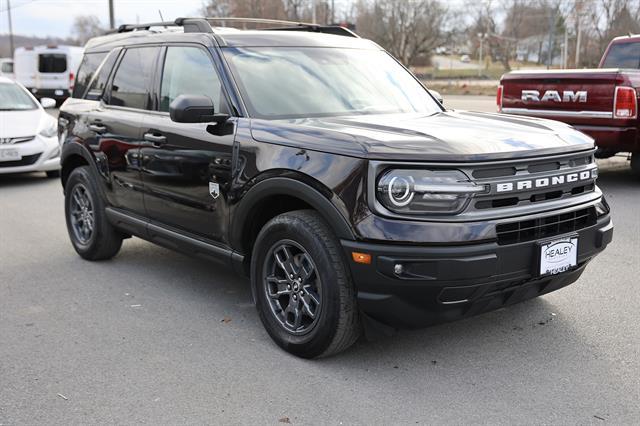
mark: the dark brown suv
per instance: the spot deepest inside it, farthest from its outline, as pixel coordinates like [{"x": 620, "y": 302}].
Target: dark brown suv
[{"x": 313, "y": 162}]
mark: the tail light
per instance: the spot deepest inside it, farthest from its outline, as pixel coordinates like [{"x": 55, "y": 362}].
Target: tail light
[
  {"x": 625, "y": 103},
  {"x": 499, "y": 98},
  {"x": 72, "y": 78}
]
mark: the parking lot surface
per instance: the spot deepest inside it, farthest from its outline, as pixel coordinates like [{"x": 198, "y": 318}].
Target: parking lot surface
[{"x": 156, "y": 337}]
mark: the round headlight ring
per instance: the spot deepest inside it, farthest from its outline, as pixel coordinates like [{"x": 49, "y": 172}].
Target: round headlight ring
[{"x": 400, "y": 191}]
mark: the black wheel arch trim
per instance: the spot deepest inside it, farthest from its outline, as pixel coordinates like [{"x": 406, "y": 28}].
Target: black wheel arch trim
[
  {"x": 76, "y": 149},
  {"x": 290, "y": 187}
]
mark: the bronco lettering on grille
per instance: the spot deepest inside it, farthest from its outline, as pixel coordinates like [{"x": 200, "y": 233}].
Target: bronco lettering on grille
[{"x": 545, "y": 182}]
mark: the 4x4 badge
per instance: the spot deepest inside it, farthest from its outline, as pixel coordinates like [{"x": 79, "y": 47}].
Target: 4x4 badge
[{"x": 214, "y": 189}]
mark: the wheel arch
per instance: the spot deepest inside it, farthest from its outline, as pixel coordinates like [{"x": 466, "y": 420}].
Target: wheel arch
[
  {"x": 265, "y": 201},
  {"x": 73, "y": 156}
]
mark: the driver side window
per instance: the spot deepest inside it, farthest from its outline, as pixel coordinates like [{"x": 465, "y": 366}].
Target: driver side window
[{"x": 190, "y": 71}]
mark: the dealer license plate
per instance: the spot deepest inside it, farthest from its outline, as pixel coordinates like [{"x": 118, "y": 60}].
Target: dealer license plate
[
  {"x": 9, "y": 154},
  {"x": 558, "y": 255}
]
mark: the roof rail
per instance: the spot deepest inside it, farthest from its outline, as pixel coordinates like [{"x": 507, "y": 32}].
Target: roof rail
[
  {"x": 203, "y": 25},
  {"x": 290, "y": 25}
]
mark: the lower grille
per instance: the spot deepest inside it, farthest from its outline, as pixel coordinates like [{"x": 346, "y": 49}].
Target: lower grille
[
  {"x": 544, "y": 227},
  {"x": 27, "y": 160}
]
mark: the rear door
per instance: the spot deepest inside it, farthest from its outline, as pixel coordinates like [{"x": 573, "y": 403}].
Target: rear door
[
  {"x": 117, "y": 124},
  {"x": 53, "y": 70},
  {"x": 186, "y": 168}
]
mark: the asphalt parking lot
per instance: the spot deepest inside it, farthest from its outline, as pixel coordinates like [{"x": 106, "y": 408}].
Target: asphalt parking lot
[{"x": 156, "y": 337}]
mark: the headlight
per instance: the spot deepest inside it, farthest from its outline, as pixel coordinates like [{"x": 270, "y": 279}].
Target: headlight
[
  {"x": 50, "y": 129},
  {"x": 426, "y": 191}
]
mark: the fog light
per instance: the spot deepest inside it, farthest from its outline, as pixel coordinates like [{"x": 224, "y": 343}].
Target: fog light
[{"x": 398, "y": 269}]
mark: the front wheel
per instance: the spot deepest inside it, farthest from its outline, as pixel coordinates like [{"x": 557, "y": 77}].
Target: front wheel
[{"x": 304, "y": 293}]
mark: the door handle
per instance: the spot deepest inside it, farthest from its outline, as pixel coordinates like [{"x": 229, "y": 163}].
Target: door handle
[
  {"x": 155, "y": 139},
  {"x": 97, "y": 127}
]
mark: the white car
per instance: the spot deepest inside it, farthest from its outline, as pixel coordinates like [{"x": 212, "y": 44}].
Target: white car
[{"x": 28, "y": 135}]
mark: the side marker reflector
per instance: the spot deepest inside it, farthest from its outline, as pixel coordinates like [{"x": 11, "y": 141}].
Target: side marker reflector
[{"x": 363, "y": 258}]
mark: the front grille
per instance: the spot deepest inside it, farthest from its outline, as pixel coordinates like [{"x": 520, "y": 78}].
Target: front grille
[
  {"x": 545, "y": 227},
  {"x": 13, "y": 141},
  {"x": 27, "y": 160}
]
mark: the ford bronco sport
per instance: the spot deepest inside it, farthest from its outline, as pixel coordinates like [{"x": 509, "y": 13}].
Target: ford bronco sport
[{"x": 310, "y": 160}]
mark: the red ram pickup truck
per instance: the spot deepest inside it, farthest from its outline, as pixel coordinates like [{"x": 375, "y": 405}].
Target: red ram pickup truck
[{"x": 602, "y": 102}]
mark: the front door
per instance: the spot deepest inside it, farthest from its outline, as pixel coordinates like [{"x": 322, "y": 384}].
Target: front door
[{"x": 187, "y": 168}]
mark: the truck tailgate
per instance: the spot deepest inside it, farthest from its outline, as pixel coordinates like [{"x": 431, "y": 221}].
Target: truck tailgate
[{"x": 570, "y": 96}]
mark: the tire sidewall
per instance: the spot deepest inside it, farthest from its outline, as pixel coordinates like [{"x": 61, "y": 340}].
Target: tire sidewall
[
  {"x": 319, "y": 337},
  {"x": 81, "y": 175}
]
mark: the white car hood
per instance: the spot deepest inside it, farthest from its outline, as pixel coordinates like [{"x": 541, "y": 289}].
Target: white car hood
[{"x": 20, "y": 123}]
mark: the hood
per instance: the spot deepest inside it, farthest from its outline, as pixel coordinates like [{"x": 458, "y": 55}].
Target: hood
[
  {"x": 20, "y": 123},
  {"x": 453, "y": 136}
]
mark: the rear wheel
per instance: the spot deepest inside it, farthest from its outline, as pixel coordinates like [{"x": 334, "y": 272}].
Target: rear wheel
[
  {"x": 92, "y": 236},
  {"x": 304, "y": 293}
]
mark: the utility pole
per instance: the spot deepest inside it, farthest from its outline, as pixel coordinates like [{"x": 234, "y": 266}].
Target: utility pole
[
  {"x": 112, "y": 20},
  {"x": 11, "y": 46},
  {"x": 313, "y": 11}
]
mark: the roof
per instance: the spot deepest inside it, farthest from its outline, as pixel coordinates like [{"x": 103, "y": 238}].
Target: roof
[{"x": 292, "y": 35}]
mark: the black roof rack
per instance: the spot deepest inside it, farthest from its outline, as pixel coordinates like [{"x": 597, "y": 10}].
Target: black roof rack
[{"x": 203, "y": 25}]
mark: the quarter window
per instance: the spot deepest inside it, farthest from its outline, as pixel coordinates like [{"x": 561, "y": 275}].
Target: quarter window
[
  {"x": 132, "y": 82},
  {"x": 190, "y": 71},
  {"x": 88, "y": 67}
]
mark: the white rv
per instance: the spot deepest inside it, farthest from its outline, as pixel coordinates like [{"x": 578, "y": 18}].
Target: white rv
[
  {"x": 6, "y": 68},
  {"x": 47, "y": 71}
]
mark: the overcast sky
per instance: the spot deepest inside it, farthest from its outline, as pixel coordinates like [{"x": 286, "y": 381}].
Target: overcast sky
[{"x": 54, "y": 17}]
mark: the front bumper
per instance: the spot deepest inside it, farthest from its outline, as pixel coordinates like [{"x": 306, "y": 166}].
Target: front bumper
[
  {"x": 446, "y": 283},
  {"x": 41, "y": 154}
]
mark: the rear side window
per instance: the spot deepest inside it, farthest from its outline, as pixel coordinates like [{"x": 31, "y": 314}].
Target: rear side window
[
  {"x": 52, "y": 63},
  {"x": 132, "y": 81},
  {"x": 7, "y": 67},
  {"x": 623, "y": 55},
  {"x": 99, "y": 82},
  {"x": 88, "y": 68},
  {"x": 189, "y": 71}
]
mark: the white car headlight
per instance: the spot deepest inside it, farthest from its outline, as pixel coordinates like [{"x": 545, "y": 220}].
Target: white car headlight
[{"x": 50, "y": 128}]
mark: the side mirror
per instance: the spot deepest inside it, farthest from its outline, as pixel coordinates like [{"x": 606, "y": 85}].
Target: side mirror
[
  {"x": 48, "y": 103},
  {"x": 192, "y": 109},
  {"x": 437, "y": 95}
]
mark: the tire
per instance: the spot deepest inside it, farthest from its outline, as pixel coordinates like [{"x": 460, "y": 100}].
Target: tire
[
  {"x": 305, "y": 240},
  {"x": 53, "y": 174},
  {"x": 635, "y": 163},
  {"x": 99, "y": 241}
]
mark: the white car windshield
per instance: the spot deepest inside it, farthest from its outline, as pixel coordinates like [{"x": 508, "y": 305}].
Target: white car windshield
[
  {"x": 14, "y": 98},
  {"x": 297, "y": 82}
]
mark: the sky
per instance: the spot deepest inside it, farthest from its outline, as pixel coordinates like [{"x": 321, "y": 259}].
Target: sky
[{"x": 55, "y": 17}]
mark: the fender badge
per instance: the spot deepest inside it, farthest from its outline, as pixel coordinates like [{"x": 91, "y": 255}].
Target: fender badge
[{"x": 214, "y": 190}]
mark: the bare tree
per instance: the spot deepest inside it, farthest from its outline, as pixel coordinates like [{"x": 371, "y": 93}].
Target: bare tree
[
  {"x": 85, "y": 27},
  {"x": 409, "y": 29}
]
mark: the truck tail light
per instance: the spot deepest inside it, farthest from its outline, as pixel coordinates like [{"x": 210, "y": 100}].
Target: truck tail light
[
  {"x": 625, "y": 103},
  {"x": 499, "y": 98}
]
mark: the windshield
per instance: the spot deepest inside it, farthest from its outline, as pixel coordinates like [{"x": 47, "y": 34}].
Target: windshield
[
  {"x": 295, "y": 82},
  {"x": 13, "y": 98},
  {"x": 623, "y": 55}
]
